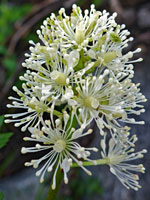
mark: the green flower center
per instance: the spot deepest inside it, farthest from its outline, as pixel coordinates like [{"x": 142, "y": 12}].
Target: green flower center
[
  {"x": 59, "y": 146},
  {"x": 91, "y": 102}
]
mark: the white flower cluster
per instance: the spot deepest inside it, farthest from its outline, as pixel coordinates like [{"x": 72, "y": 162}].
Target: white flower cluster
[{"x": 80, "y": 73}]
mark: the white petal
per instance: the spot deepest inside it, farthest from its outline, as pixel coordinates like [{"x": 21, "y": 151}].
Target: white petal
[
  {"x": 66, "y": 163},
  {"x": 77, "y": 134},
  {"x": 91, "y": 54},
  {"x": 73, "y": 58}
]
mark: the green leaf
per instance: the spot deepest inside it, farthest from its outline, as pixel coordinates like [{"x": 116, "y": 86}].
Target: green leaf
[
  {"x": 6, "y": 162},
  {"x": 1, "y": 120},
  {"x": 4, "y": 138},
  {"x": 1, "y": 195}
]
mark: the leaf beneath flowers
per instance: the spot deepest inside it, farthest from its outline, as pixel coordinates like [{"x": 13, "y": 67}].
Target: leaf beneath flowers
[{"x": 4, "y": 138}]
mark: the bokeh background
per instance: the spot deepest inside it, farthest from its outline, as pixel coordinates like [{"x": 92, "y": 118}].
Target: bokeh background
[{"x": 19, "y": 20}]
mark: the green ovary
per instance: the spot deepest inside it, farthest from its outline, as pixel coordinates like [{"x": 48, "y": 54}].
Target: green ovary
[
  {"x": 90, "y": 102},
  {"x": 61, "y": 80},
  {"x": 59, "y": 146},
  {"x": 115, "y": 37}
]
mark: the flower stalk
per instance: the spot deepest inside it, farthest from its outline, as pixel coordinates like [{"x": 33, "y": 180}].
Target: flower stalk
[
  {"x": 92, "y": 163},
  {"x": 53, "y": 194}
]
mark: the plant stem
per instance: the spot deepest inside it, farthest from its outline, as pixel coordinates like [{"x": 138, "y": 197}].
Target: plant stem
[
  {"x": 52, "y": 194},
  {"x": 57, "y": 113},
  {"x": 89, "y": 163}
]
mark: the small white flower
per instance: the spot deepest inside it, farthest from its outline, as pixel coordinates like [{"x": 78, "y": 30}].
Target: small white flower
[
  {"x": 60, "y": 146},
  {"x": 53, "y": 77},
  {"x": 109, "y": 54},
  {"x": 107, "y": 101},
  {"x": 32, "y": 101},
  {"x": 119, "y": 155},
  {"x": 56, "y": 71}
]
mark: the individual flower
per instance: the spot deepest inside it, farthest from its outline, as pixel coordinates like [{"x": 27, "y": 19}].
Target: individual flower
[
  {"x": 60, "y": 146},
  {"x": 119, "y": 156},
  {"x": 31, "y": 105},
  {"x": 51, "y": 68},
  {"x": 50, "y": 57},
  {"x": 107, "y": 101},
  {"x": 52, "y": 71}
]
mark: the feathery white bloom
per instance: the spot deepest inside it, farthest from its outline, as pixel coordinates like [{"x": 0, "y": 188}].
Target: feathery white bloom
[
  {"x": 53, "y": 74},
  {"x": 56, "y": 71},
  {"x": 30, "y": 101},
  {"x": 107, "y": 101},
  {"x": 119, "y": 156},
  {"x": 44, "y": 87},
  {"x": 94, "y": 32},
  {"x": 50, "y": 57},
  {"x": 109, "y": 54},
  {"x": 77, "y": 30},
  {"x": 60, "y": 148}
]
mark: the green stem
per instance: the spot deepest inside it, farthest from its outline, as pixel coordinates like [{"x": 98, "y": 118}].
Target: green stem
[
  {"x": 104, "y": 161},
  {"x": 58, "y": 114},
  {"x": 52, "y": 194}
]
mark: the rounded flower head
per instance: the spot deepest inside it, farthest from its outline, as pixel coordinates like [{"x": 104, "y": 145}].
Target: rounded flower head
[
  {"x": 51, "y": 68},
  {"x": 60, "y": 147},
  {"x": 107, "y": 101},
  {"x": 94, "y": 34},
  {"x": 52, "y": 72},
  {"x": 119, "y": 155}
]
